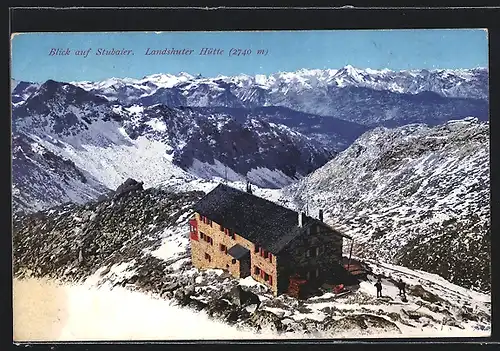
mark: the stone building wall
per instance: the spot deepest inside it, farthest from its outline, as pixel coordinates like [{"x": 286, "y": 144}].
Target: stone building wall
[
  {"x": 294, "y": 259},
  {"x": 221, "y": 260}
]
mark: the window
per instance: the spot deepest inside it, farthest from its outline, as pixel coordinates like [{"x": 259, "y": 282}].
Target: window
[
  {"x": 256, "y": 248},
  {"x": 312, "y": 252},
  {"x": 207, "y": 257},
  {"x": 206, "y": 238},
  {"x": 221, "y": 228},
  {"x": 223, "y": 247},
  {"x": 233, "y": 261},
  {"x": 200, "y": 217},
  {"x": 256, "y": 270},
  {"x": 266, "y": 254},
  {"x": 210, "y": 222},
  {"x": 227, "y": 266},
  {"x": 228, "y": 232},
  {"x": 266, "y": 277},
  {"x": 270, "y": 257},
  {"x": 270, "y": 280}
]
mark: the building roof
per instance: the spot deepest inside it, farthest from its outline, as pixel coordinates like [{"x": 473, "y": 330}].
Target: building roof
[
  {"x": 256, "y": 219},
  {"x": 238, "y": 251}
]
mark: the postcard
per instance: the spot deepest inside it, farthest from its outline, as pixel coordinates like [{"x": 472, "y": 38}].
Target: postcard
[{"x": 250, "y": 185}]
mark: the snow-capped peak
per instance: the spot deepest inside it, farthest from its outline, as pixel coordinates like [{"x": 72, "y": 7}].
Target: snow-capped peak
[{"x": 447, "y": 82}]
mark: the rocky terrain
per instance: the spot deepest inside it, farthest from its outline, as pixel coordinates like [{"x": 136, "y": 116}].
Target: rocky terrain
[
  {"x": 272, "y": 130},
  {"x": 137, "y": 238},
  {"x": 415, "y": 196},
  {"x": 110, "y": 142},
  {"x": 42, "y": 179}
]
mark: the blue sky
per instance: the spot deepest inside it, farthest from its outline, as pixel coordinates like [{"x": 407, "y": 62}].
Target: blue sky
[{"x": 286, "y": 51}]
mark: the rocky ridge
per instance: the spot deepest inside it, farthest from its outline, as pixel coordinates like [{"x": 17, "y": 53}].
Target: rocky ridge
[
  {"x": 417, "y": 196},
  {"x": 138, "y": 239}
]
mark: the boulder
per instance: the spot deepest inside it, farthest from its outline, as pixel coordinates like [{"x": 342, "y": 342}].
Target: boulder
[
  {"x": 219, "y": 308},
  {"x": 364, "y": 323},
  {"x": 102, "y": 198},
  {"x": 197, "y": 304},
  {"x": 466, "y": 313},
  {"x": 240, "y": 297},
  {"x": 419, "y": 291},
  {"x": 263, "y": 319},
  {"x": 128, "y": 186},
  {"x": 171, "y": 287}
]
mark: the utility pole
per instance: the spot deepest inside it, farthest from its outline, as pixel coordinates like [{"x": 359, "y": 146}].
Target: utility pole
[
  {"x": 350, "y": 254},
  {"x": 225, "y": 167}
]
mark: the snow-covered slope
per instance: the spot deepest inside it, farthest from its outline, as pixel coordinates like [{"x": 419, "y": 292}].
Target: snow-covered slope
[
  {"x": 21, "y": 90},
  {"x": 471, "y": 83},
  {"x": 414, "y": 195},
  {"x": 190, "y": 127},
  {"x": 367, "y": 96},
  {"x": 139, "y": 241},
  {"x": 42, "y": 179},
  {"x": 371, "y": 97},
  {"x": 156, "y": 144}
]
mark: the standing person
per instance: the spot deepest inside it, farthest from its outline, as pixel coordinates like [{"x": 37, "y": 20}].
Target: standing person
[
  {"x": 402, "y": 286},
  {"x": 378, "y": 285}
]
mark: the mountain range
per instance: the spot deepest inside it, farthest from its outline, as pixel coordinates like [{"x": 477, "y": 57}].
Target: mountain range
[
  {"x": 397, "y": 160},
  {"x": 416, "y": 196},
  {"x": 169, "y": 129}
]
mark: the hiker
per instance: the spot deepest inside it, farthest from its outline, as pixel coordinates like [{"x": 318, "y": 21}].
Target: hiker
[
  {"x": 402, "y": 286},
  {"x": 378, "y": 285}
]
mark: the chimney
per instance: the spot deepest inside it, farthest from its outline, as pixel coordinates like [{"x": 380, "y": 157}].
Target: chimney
[
  {"x": 300, "y": 218},
  {"x": 321, "y": 215}
]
